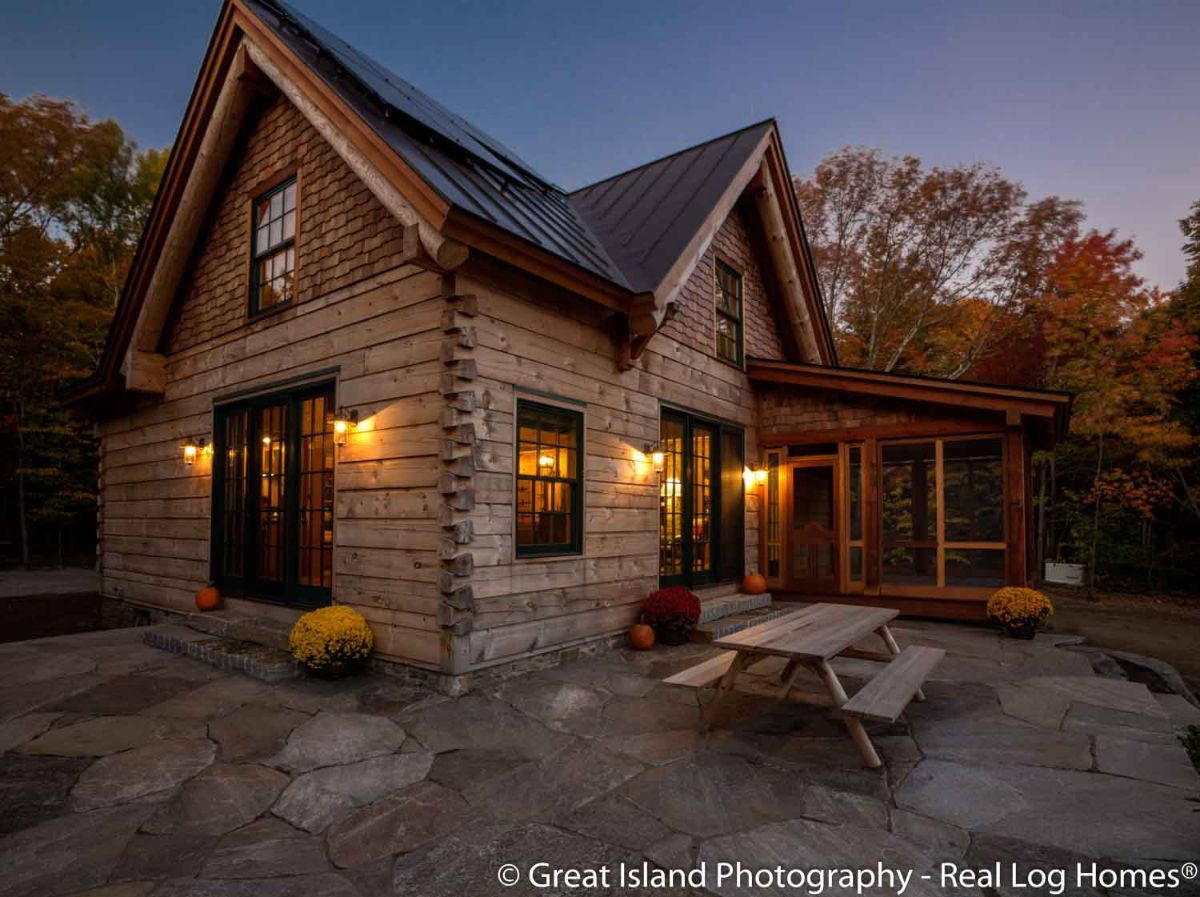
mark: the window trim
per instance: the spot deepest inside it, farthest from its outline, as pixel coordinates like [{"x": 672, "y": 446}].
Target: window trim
[
  {"x": 575, "y": 547},
  {"x": 720, "y": 262},
  {"x": 289, "y": 591},
  {"x": 262, "y": 192}
]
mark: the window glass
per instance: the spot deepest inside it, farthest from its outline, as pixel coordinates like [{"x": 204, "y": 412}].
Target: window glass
[
  {"x": 549, "y": 482},
  {"x": 909, "y": 513},
  {"x": 729, "y": 313},
  {"x": 274, "y": 271}
]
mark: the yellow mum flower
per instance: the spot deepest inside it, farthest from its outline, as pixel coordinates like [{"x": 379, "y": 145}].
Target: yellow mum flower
[
  {"x": 1016, "y": 605},
  {"x": 330, "y": 636}
]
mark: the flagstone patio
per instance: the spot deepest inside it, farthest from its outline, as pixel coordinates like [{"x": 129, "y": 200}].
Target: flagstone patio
[{"x": 127, "y": 772}]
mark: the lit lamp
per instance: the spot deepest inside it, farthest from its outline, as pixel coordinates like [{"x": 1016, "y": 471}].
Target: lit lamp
[
  {"x": 343, "y": 423},
  {"x": 657, "y": 461},
  {"x": 191, "y": 449},
  {"x": 760, "y": 475},
  {"x": 754, "y": 477},
  {"x": 545, "y": 462}
]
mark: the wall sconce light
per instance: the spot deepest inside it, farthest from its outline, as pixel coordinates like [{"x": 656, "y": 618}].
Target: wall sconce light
[
  {"x": 343, "y": 422},
  {"x": 192, "y": 448},
  {"x": 657, "y": 460},
  {"x": 545, "y": 462},
  {"x": 754, "y": 477}
]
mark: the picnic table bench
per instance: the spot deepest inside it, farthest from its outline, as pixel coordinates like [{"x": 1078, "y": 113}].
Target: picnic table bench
[{"x": 809, "y": 638}]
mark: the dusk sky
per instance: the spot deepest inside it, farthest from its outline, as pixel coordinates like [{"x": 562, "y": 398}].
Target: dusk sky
[{"x": 1097, "y": 101}]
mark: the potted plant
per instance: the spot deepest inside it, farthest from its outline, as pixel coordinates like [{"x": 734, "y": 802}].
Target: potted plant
[
  {"x": 331, "y": 641},
  {"x": 673, "y": 613},
  {"x": 1020, "y": 611}
]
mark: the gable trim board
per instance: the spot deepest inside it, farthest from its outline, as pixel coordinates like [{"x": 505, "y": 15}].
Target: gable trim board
[{"x": 248, "y": 55}]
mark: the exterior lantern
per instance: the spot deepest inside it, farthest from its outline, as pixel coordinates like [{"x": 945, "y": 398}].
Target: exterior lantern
[
  {"x": 191, "y": 449},
  {"x": 657, "y": 460},
  {"x": 343, "y": 423}
]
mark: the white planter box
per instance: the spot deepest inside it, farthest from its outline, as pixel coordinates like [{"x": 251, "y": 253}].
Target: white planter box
[{"x": 1064, "y": 574}]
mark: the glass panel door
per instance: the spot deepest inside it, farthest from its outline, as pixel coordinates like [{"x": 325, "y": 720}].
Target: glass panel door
[
  {"x": 273, "y": 497},
  {"x": 701, "y": 517},
  {"x": 701, "y": 521}
]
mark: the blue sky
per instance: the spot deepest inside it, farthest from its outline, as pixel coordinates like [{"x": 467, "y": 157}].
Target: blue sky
[{"x": 1098, "y": 101}]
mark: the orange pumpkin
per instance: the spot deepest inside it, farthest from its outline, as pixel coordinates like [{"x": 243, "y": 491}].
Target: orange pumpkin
[
  {"x": 208, "y": 598},
  {"x": 641, "y": 636},
  {"x": 754, "y": 584}
]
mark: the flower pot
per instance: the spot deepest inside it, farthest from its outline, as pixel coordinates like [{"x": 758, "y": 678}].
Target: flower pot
[
  {"x": 337, "y": 670},
  {"x": 1024, "y": 629}
]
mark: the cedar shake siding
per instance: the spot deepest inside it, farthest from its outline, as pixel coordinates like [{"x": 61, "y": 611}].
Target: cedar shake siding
[
  {"x": 694, "y": 324},
  {"x": 345, "y": 235}
]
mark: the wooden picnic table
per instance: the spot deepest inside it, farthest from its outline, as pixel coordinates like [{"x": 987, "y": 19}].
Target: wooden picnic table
[{"x": 809, "y": 638}]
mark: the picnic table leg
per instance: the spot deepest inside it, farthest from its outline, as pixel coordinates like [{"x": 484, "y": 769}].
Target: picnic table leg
[
  {"x": 853, "y": 725},
  {"x": 789, "y": 671},
  {"x": 723, "y": 690},
  {"x": 890, "y": 640}
]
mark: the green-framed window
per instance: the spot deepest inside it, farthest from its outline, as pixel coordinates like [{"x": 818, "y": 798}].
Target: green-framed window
[
  {"x": 273, "y": 247},
  {"x": 729, "y": 313},
  {"x": 549, "y": 505},
  {"x": 273, "y": 496}
]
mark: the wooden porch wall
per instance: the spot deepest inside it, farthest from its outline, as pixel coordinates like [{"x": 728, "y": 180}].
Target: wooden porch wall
[{"x": 359, "y": 310}]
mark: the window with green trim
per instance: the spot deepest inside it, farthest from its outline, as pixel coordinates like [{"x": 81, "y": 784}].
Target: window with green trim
[
  {"x": 549, "y": 480},
  {"x": 729, "y": 313},
  {"x": 273, "y": 248}
]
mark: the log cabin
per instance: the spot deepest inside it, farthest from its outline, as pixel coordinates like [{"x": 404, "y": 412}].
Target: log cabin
[{"x": 367, "y": 355}]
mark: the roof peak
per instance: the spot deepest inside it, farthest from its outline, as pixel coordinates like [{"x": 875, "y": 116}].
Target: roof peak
[{"x": 679, "y": 152}]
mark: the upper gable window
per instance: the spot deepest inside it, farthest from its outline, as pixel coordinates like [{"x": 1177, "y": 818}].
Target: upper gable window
[
  {"x": 273, "y": 276},
  {"x": 729, "y": 313}
]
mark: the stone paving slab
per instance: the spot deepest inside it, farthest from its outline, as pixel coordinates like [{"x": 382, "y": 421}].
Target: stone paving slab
[{"x": 208, "y": 784}]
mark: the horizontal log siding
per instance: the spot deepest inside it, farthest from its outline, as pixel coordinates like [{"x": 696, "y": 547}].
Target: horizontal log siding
[
  {"x": 359, "y": 309},
  {"x": 539, "y": 345}
]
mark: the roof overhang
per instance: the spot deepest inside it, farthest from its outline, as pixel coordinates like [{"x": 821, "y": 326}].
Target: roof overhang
[{"x": 1050, "y": 409}]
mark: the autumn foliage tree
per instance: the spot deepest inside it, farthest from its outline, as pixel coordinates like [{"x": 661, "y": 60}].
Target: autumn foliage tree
[{"x": 73, "y": 197}]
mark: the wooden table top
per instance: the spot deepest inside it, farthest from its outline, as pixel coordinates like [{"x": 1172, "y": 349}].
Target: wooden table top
[{"x": 815, "y": 632}]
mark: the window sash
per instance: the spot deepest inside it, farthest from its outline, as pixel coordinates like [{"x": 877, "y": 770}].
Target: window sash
[
  {"x": 272, "y": 244},
  {"x": 553, "y": 500},
  {"x": 730, "y": 312}
]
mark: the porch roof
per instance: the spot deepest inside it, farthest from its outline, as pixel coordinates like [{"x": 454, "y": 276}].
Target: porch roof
[{"x": 1051, "y": 409}]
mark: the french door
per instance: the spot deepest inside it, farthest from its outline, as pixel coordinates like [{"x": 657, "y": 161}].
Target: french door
[
  {"x": 701, "y": 501},
  {"x": 273, "y": 496}
]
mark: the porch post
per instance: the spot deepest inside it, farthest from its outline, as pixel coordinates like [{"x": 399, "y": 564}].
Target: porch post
[{"x": 1016, "y": 489}]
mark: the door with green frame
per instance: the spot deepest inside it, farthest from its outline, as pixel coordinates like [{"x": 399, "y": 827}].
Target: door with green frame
[
  {"x": 273, "y": 496},
  {"x": 701, "y": 501}
]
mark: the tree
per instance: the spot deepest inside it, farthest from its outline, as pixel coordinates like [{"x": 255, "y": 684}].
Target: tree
[
  {"x": 920, "y": 266},
  {"x": 73, "y": 198}
]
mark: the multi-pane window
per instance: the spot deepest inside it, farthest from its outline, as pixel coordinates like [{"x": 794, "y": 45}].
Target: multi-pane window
[
  {"x": 729, "y": 313},
  {"x": 549, "y": 480},
  {"x": 273, "y": 496},
  {"x": 273, "y": 276}
]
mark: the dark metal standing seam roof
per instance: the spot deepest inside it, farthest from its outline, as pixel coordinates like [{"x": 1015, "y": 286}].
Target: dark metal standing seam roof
[
  {"x": 646, "y": 216},
  {"x": 470, "y": 170}
]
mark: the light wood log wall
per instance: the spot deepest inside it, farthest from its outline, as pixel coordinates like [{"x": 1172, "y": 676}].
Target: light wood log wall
[{"x": 541, "y": 345}]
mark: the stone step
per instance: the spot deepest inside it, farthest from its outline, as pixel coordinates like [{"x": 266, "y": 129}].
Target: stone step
[
  {"x": 720, "y": 628},
  {"x": 727, "y": 605},
  {"x": 240, "y": 626},
  {"x": 252, "y": 658}
]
